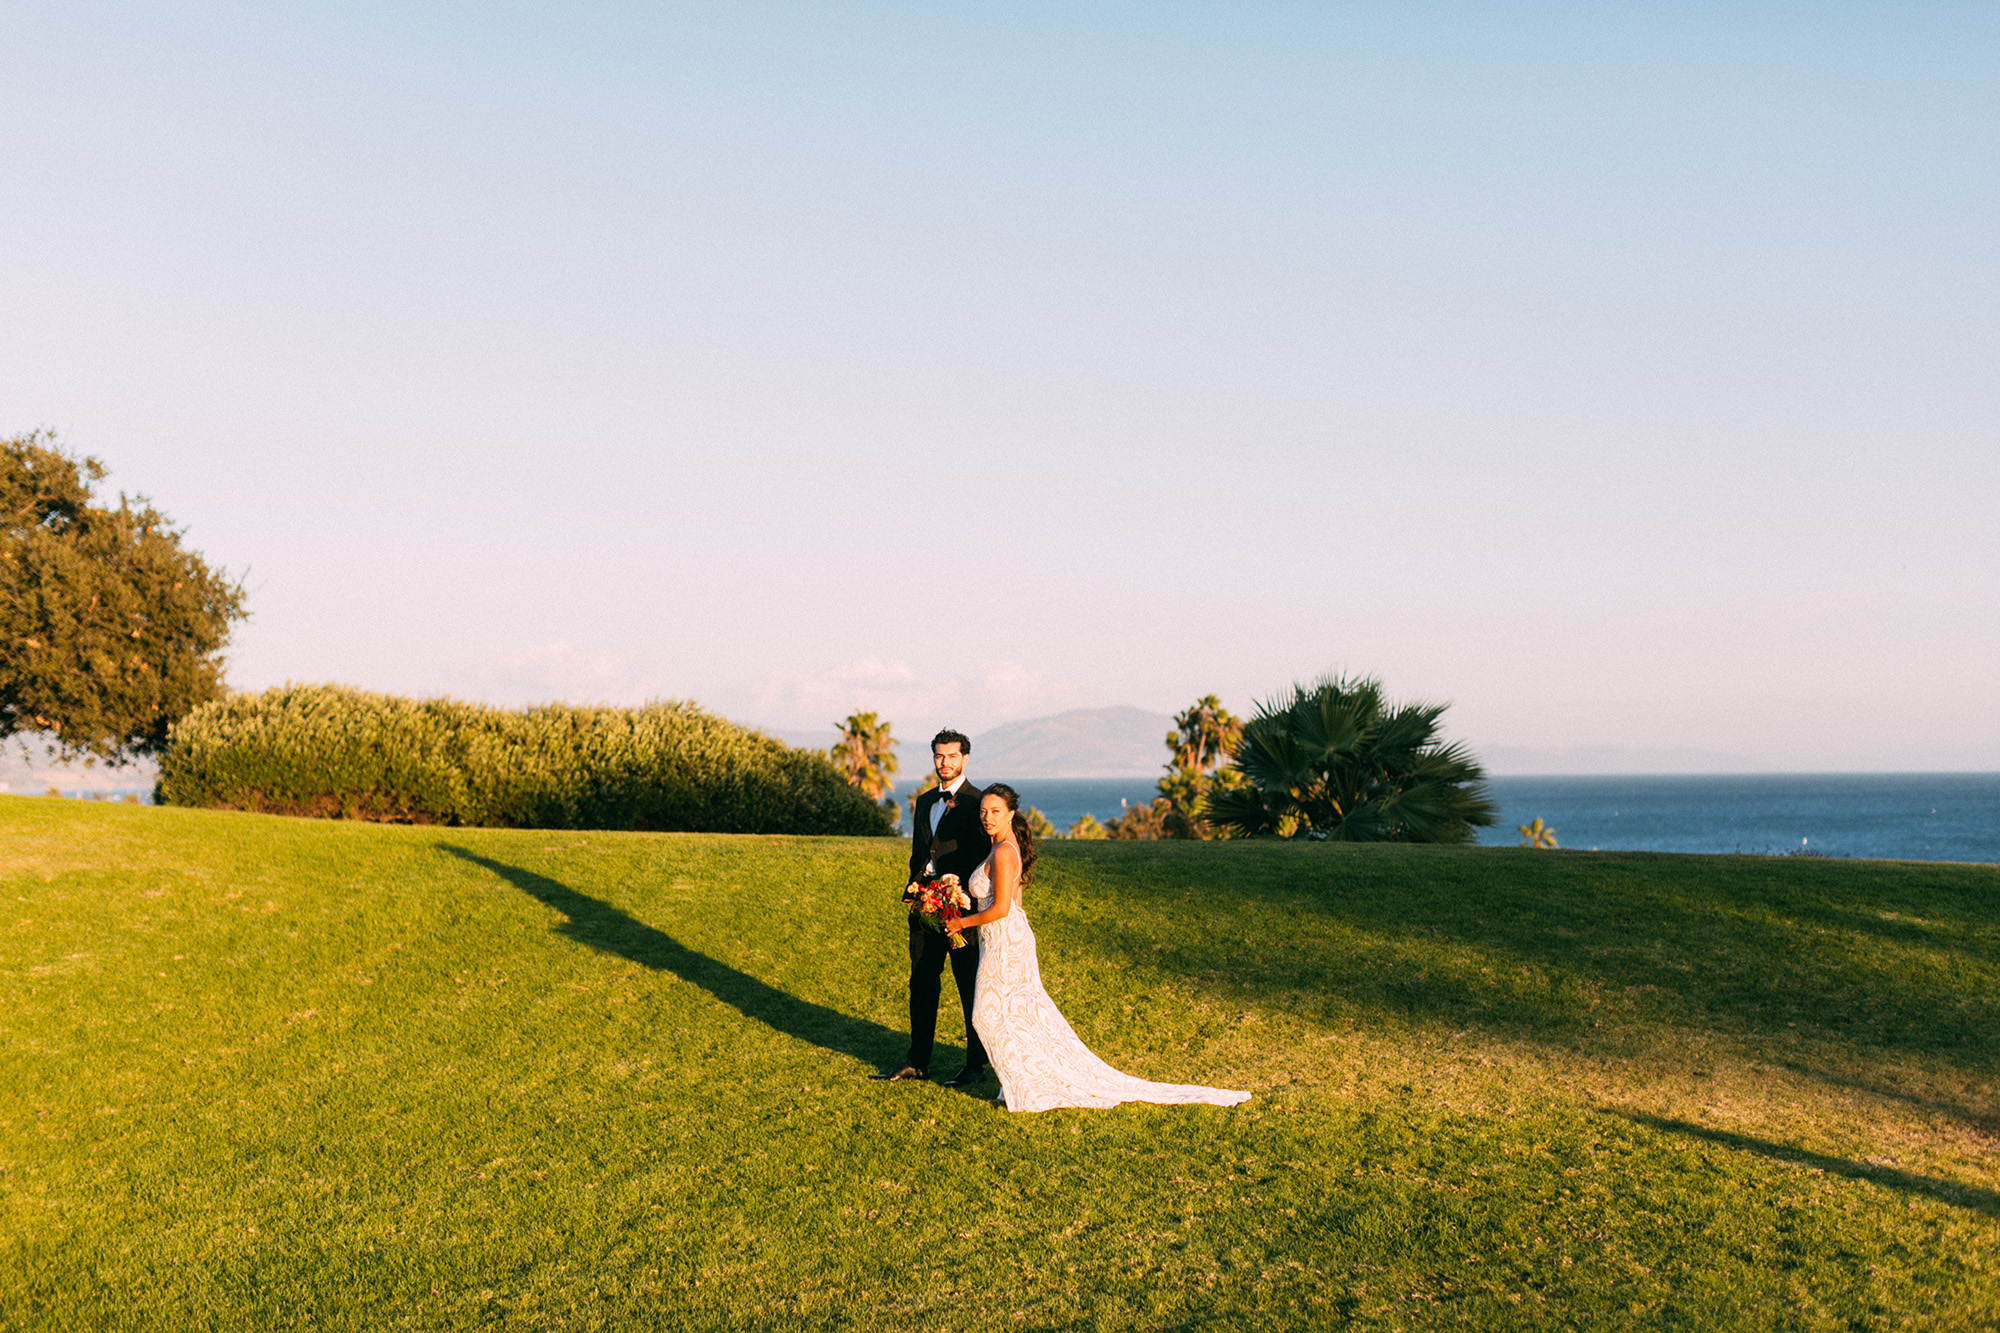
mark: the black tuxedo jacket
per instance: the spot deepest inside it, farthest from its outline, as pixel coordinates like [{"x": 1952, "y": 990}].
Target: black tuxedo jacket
[{"x": 960, "y": 843}]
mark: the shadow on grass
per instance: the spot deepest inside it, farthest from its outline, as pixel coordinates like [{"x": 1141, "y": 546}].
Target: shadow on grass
[
  {"x": 1573, "y": 948},
  {"x": 1944, "y": 1191},
  {"x": 1985, "y": 1120},
  {"x": 603, "y": 927}
]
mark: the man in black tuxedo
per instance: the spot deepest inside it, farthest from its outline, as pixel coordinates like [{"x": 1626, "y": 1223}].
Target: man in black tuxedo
[{"x": 948, "y": 840}]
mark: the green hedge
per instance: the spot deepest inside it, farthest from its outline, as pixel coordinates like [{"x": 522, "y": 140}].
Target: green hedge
[{"x": 337, "y": 753}]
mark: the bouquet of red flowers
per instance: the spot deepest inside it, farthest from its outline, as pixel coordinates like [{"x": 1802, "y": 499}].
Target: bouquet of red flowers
[{"x": 938, "y": 902}]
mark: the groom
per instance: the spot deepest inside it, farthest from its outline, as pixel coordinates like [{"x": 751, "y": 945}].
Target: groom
[{"x": 948, "y": 840}]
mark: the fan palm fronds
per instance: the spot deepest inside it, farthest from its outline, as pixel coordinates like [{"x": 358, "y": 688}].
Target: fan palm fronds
[{"x": 1337, "y": 761}]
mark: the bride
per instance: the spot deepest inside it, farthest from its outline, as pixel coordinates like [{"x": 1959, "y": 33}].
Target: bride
[{"x": 1040, "y": 1061}]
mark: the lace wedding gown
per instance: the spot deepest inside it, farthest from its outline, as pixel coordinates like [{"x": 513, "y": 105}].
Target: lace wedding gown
[{"x": 1041, "y": 1063}]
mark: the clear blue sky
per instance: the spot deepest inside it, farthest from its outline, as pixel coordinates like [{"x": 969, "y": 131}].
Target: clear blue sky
[{"x": 1625, "y": 375}]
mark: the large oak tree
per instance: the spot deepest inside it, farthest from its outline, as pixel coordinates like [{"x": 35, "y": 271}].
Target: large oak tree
[{"x": 110, "y": 630}]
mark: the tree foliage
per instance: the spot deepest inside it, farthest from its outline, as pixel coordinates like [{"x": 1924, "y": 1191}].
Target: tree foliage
[
  {"x": 110, "y": 631},
  {"x": 1139, "y": 823},
  {"x": 1087, "y": 827},
  {"x": 669, "y": 766},
  {"x": 1337, "y": 761},
  {"x": 1204, "y": 736},
  {"x": 866, "y": 755}
]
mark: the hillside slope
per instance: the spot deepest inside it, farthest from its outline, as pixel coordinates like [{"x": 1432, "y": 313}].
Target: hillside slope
[
  {"x": 263, "y": 1072},
  {"x": 1116, "y": 742}
]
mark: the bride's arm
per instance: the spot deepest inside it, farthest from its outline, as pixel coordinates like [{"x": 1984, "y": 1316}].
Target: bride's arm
[{"x": 1006, "y": 874}]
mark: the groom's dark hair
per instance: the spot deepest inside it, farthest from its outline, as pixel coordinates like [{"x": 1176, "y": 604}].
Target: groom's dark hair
[{"x": 948, "y": 736}]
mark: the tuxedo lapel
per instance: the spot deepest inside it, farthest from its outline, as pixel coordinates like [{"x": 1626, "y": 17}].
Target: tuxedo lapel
[
  {"x": 959, "y": 837},
  {"x": 960, "y": 818},
  {"x": 945, "y": 841},
  {"x": 952, "y": 824}
]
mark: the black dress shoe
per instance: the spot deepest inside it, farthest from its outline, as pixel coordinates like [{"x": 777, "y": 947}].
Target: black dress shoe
[
  {"x": 907, "y": 1071},
  {"x": 966, "y": 1078}
]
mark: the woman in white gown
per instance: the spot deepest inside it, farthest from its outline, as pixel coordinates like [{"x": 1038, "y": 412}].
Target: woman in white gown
[{"x": 1040, "y": 1062}]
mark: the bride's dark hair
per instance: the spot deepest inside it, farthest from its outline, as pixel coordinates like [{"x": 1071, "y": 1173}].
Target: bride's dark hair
[{"x": 1024, "y": 837}]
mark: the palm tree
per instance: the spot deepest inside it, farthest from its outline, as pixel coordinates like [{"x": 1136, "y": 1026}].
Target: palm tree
[
  {"x": 1537, "y": 834},
  {"x": 866, "y": 754},
  {"x": 1203, "y": 737},
  {"x": 1337, "y": 761}
]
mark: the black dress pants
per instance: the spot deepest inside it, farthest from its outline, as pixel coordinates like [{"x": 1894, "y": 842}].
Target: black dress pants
[{"x": 928, "y": 952}]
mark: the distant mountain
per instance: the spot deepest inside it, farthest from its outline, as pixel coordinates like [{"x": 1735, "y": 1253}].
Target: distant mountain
[{"x": 1118, "y": 742}]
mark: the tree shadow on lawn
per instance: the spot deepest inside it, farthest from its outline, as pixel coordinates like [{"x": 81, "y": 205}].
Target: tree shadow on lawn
[
  {"x": 1578, "y": 949},
  {"x": 1944, "y": 1191},
  {"x": 1985, "y": 1121},
  {"x": 603, "y": 927}
]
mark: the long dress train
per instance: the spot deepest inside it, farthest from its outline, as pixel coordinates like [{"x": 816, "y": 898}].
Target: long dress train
[{"x": 1040, "y": 1061}]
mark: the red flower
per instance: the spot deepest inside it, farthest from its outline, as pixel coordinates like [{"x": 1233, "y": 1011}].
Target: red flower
[{"x": 936, "y": 906}]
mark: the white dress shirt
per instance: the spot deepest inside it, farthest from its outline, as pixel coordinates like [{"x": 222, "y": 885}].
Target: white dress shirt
[{"x": 937, "y": 807}]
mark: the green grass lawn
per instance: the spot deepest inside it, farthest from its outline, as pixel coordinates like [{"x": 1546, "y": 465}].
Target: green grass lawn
[{"x": 265, "y": 1073}]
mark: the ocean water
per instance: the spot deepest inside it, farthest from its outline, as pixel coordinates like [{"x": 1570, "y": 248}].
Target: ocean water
[
  {"x": 143, "y": 795},
  {"x": 1066, "y": 800},
  {"x": 1894, "y": 816}
]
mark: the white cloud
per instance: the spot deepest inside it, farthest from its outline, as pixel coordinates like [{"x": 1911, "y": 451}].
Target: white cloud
[{"x": 1002, "y": 691}]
